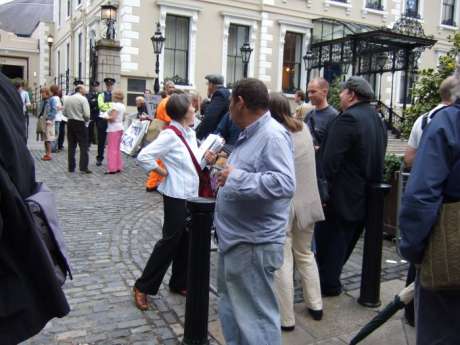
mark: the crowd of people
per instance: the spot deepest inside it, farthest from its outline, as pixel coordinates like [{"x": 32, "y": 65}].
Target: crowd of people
[{"x": 291, "y": 189}]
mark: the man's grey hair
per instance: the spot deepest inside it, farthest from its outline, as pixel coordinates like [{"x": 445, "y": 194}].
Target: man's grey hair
[
  {"x": 456, "y": 92},
  {"x": 447, "y": 89}
]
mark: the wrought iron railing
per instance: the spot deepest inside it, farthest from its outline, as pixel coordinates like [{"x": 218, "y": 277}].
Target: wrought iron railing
[{"x": 393, "y": 120}]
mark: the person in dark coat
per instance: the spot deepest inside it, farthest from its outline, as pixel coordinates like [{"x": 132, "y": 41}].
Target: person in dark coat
[
  {"x": 434, "y": 182},
  {"x": 228, "y": 130},
  {"x": 92, "y": 97},
  {"x": 30, "y": 294},
  {"x": 217, "y": 107},
  {"x": 353, "y": 157}
]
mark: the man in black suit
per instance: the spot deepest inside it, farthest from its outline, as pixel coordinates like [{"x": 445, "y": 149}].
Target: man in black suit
[
  {"x": 217, "y": 107},
  {"x": 353, "y": 157}
]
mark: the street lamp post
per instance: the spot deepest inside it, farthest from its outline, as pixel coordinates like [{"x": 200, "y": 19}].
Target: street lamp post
[
  {"x": 246, "y": 51},
  {"x": 109, "y": 15},
  {"x": 157, "y": 40},
  {"x": 308, "y": 60},
  {"x": 50, "y": 41}
]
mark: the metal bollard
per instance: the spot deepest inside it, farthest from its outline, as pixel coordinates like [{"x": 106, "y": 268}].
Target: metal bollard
[
  {"x": 197, "y": 303},
  {"x": 372, "y": 256}
]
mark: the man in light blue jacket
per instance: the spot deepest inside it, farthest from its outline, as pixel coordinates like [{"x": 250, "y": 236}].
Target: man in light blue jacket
[{"x": 252, "y": 210}]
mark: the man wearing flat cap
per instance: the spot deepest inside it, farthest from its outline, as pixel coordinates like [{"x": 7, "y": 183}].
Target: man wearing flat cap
[
  {"x": 353, "y": 157},
  {"x": 217, "y": 108},
  {"x": 104, "y": 102}
]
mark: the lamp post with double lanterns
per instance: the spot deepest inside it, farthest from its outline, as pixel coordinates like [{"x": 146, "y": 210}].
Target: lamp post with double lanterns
[
  {"x": 50, "y": 40},
  {"x": 246, "y": 51},
  {"x": 158, "y": 41},
  {"x": 109, "y": 15},
  {"x": 308, "y": 61}
]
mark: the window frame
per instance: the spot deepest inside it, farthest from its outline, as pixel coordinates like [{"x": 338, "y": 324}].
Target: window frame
[
  {"x": 134, "y": 93},
  {"x": 454, "y": 20},
  {"x": 175, "y": 49},
  {"x": 380, "y": 7},
  {"x": 238, "y": 52},
  {"x": 298, "y": 63}
]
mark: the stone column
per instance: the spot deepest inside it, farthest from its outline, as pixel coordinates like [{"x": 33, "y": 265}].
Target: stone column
[{"x": 108, "y": 60}]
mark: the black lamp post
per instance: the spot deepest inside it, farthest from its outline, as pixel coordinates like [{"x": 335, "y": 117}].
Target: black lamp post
[
  {"x": 246, "y": 51},
  {"x": 50, "y": 41},
  {"x": 109, "y": 15},
  {"x": 157, "y": 40},
  {"x": 308, "y": 61},
  {"x": 381, "y": 61}
]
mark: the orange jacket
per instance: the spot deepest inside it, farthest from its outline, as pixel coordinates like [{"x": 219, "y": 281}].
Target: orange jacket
[{"x": 161, "y": 111}]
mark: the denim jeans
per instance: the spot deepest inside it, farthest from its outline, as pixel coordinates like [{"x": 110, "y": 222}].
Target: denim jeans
[{"x": 248, "y": 309}]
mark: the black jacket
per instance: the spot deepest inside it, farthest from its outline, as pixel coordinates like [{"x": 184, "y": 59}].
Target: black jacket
[
  {"x": 216, "y": 109},
  {"x": 353, "y": 157},
  {"x": 29, "y": 292},
  {"x": 93, "y": 106}
]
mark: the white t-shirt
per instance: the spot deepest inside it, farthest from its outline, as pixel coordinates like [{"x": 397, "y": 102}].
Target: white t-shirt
[
  {"x": 417, "y": 130},
  {"x": 116, "y": 125},
  {"x": 59, "y": 116}
]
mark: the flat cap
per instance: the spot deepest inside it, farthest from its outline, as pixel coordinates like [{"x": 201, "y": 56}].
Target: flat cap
[
  {"x": 215, "y": 79},
  {"x": 360, "y": 86},
  {"x": 109, "y": 81}
]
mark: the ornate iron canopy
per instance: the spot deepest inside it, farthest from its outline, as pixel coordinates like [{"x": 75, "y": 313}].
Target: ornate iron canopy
[{"x": 363, "y": 46}]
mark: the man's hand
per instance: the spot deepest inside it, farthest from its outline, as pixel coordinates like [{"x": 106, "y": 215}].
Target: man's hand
[
  {"x": 210, "y": 157},
  {"x": 223, "y": 175}
]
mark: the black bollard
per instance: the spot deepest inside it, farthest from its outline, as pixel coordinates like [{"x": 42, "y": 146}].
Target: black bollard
[
  {"x": 373, "y": 238},
  {"x": 197, "y": 303}
]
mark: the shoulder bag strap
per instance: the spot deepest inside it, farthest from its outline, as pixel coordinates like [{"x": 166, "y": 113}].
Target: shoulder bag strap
[{"x": 181, "y": 137}]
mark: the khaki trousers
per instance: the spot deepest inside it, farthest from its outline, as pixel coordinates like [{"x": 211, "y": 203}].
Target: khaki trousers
[{"x": 297, "y": 249}]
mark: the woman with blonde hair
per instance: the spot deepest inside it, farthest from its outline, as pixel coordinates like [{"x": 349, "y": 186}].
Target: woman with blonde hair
[
  {"x": 306, "y": 210},
  {"x": 115, "y": 132}
]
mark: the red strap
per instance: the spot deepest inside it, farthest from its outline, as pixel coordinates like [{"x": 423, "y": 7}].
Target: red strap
[{"x": 181, "y": 137}]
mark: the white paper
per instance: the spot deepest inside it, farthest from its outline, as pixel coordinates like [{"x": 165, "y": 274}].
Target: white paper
[
  {"x": 212, "y": 143},
  {"x": 104, "y": 115}
]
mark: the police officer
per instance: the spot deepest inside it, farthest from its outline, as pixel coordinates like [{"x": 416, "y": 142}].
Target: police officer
[
  {"x": 92, "y": 97},
  {"x": 104, "y": 101}
]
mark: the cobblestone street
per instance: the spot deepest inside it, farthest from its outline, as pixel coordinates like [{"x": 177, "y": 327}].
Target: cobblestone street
[{"x": 111, "y": 225}]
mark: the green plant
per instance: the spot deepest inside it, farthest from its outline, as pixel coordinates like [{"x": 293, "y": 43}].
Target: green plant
[
  {"x": 392, "y": 164},
  {"x": 425, "y": 90},
  {"x": 334, "y": 92}
]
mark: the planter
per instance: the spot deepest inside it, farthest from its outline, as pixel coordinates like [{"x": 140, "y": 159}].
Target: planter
[{"x": 390, "y": 211}]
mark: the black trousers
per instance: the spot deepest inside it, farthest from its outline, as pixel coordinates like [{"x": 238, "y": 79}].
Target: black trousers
[
  {"x": 77, "y": 133},
  {"x": 91, "y": 132},
  {"x": 61, "y": 137},
  {"x": 173, "y": 247},
  {"x": 101, "y": 125},
  {"x": 335, "y": 241}
]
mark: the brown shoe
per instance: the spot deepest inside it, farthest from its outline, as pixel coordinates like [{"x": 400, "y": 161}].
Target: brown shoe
[{"x": 140, "y": 299}]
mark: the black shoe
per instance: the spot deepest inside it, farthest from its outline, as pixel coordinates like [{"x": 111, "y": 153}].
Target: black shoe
[
  {"x": 110, "y": 172},
  {"x": 287, "y": 328},
  {"x": 87, "y": 171},
  {"x": 316, "y": 314},
  {"x": 98, "y": 163}
]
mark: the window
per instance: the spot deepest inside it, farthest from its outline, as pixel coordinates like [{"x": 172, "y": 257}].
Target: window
[
  {"x": 69, "y": 7},
  {"x": 448, "y": 12},
  {"x": 67, "y": 50},
  {"x": 292, "y": 57},
  {"x": 136, "y": 88},
  {"x": 58, "y": 59},
  {"x": 374, "y": 5},
  {"x": 59, "y": 12},
  {"x": 237, "y": 36},
  {"x": 177, "y": 49},
  {"x": 80, "y": 39},
  {"x": 78, "y": 2},
  {"x": 412, "y": 8}
]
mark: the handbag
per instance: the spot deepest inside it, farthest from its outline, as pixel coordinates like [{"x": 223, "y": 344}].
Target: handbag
[
  {"x": 205, "y": 190},
  {"x": 440, "y": 268}
]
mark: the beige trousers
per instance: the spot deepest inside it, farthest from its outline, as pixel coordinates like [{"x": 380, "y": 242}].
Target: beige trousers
[{"x": 297, "y": 248}]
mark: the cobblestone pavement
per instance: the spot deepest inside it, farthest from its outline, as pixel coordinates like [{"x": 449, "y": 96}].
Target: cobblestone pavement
[{"x": 110, "y": 225}]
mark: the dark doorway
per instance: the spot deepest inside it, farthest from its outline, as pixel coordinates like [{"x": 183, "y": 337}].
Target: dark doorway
[
  {"x": 332, "y": 71},
  {"x": 12, "y": 71}
]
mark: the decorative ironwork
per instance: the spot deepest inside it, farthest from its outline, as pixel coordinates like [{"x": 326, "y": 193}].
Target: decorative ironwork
[{"x": 410, "y": 26}]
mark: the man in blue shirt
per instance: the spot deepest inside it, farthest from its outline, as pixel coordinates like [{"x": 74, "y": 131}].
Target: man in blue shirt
[
  {"x": 434, "y": 182},
  {"x": 252, "y": 211}
]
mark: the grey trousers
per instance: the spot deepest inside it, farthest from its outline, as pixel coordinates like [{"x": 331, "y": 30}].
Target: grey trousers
[{"x": 248, "y": 309}]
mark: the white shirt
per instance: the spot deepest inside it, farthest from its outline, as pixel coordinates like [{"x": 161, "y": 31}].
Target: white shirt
[
  {"x": 417, "y": 131},
  {"x": 182, "y": 181},
  {"x": 59, "y": 117},
  {"x": 116, "y": 125}
]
